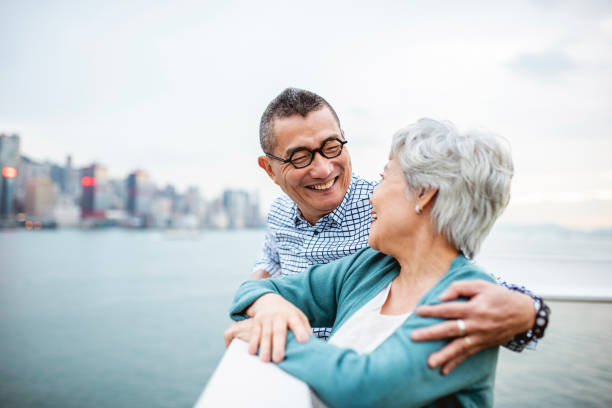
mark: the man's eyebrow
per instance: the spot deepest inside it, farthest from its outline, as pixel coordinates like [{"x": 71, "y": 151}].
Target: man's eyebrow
[{"x": 290, "y": 150}]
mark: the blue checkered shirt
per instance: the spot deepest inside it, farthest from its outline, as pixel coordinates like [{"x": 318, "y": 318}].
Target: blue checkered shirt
[{"x": 292, "y": 244}]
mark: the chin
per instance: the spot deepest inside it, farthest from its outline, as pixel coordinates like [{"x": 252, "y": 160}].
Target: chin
[{"x": 372, "y": 243}]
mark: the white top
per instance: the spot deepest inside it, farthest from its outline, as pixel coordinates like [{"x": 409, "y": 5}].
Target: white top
[{"x": 367, "y": 328}]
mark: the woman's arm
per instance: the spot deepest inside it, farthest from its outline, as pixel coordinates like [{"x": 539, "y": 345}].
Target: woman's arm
[
  {"x": 395, "y": 374},
  {"x": 315, "y": 292},
  {"x": 291, "y": 303}
]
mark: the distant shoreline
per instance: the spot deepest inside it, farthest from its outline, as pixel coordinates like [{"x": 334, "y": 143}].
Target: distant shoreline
[{"x": 581, "y": 299}]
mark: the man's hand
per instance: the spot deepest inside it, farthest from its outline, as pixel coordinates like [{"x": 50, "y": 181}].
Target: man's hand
[
  {"x": 271, "y": 316},
  {"x": 492, "y": 316},
  {"x": 259, "y": 274}
]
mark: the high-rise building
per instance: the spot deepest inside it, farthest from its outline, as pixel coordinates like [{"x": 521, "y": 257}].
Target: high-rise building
[
  {"x": 71, "y": 179},
  {"x": 40, "y": 198},
  {"x": 95, "y": 195},
  {"x": 9, "y": 159},
  {"x": 242, "y": 208},
  {"x": 140, "y": 191},
  {"x": 235, "y": 203}
]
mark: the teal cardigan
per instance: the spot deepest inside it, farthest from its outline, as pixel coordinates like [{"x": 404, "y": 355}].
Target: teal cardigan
[{"x": 395, "y": 373}]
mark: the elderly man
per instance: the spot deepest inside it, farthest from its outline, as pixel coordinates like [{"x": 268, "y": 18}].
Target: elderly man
[{"x": 325, "y": 215}]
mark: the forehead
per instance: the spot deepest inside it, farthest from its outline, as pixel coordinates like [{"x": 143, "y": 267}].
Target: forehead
[
  {"x": 296, "y": 131},
  {"x": 392, "y": 166}
]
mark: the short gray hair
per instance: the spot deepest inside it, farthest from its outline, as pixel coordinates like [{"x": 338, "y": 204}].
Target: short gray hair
[
  {"x": 292, "y": 101},
  {"x": 471, "y": 171}
]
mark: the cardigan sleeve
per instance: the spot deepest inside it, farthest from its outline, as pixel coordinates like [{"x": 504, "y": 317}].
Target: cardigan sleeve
[
  {"x": 394, "y": 374},
  {"x": 315, "y": 292}
]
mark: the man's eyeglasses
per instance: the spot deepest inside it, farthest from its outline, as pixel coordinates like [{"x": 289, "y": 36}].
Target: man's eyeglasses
[{"x": 302, "y": 156}]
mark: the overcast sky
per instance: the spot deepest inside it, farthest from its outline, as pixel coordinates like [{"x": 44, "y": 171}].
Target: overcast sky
[{"x": 177, "y": 88}]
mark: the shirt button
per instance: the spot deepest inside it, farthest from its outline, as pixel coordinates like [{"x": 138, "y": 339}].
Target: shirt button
[{"x": 316, "y": 233}]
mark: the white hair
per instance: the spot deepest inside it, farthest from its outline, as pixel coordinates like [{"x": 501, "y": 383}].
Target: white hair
[{"x": 471, "y": 171}]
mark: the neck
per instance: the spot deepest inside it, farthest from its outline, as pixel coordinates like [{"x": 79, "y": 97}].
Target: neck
[
  {"x": 423, "y": 261},
  {"x": 311, "y": 218}
]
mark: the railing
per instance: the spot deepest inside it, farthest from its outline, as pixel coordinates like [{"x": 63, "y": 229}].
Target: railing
[{"x": 242, "y": 380}]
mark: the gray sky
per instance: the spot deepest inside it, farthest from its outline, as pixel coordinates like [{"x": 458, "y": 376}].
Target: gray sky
[{"x": 177, "y": 88}]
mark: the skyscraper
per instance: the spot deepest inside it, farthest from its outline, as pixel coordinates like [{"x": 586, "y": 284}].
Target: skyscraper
[
  {"x": 9, "y": 158},
  {"x": 95, "y": 197},
  {"x": 140, "y": 192},
  {"x": 40, "y": 198}
]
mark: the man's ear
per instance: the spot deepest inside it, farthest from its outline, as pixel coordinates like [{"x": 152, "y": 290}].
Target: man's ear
[{"x": 264, "y": 163}]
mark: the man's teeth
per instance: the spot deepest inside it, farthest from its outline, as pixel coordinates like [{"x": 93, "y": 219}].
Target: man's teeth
[
  {"x": 323, "y": 186},
  {"x": 374, "y": 216}
]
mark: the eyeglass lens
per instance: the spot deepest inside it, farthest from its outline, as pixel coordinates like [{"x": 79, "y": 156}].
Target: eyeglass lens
[{"x": 330, "y": 149}]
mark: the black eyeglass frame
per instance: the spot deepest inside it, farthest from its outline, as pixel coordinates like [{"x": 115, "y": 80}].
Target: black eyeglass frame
[{"x": 312, "y": 153}]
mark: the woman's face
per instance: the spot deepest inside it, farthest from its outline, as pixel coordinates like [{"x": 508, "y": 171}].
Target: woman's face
[{"x": 393, "y": 215}]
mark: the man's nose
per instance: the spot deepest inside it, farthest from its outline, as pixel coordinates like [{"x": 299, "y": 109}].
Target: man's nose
[{"x": 320, "y": 166}]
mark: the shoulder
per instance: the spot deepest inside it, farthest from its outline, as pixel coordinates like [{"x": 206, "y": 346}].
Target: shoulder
[
  {"x": 367, "y": 264},
  {"x": 281, "y": 211},
  {"x": 460, "y": 269},
  {"x": 362, "y": 188},
  {"x": 463, "y": 269}
]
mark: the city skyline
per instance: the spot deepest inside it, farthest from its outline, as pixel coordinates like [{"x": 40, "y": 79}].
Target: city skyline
[
  {"x": 49, "y": 195},
  {"x": 179, "y": 89}
]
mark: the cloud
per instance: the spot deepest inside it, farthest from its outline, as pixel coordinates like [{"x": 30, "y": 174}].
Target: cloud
[{"x": 542, "y": 65}]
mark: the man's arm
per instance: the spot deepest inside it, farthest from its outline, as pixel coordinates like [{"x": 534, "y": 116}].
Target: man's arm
[
  {"x": 260, "y": 274},
  {"x": 268, "y": 261},
  {"x": 494, "y": 315}
]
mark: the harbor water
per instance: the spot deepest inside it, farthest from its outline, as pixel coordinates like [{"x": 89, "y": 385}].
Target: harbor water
[{"x": 116, "y": 318}]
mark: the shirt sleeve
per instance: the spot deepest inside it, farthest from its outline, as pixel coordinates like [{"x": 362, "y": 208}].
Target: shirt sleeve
[
  {"x": 518, "y": 342},
  {"x": 268, "y": 258}
]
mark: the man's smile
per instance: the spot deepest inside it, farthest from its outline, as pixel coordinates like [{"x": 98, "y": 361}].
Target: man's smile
[{"x": 324, "y": 186}]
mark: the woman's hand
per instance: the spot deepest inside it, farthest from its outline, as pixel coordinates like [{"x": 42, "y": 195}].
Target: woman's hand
[
  {"x": 491, "y": 317},
  {"x": 271, "y": 316},
  {"x": 241, "y": 330}
]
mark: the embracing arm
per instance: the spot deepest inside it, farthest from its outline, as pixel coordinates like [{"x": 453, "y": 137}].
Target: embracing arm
[
  {"x": 536, "y": 326},
  {"x": 395, "y": 373},
  {"x": 493, "y": 315},
  {"x": 314, "y": 292},
  {"x": 293, "y": 302}
]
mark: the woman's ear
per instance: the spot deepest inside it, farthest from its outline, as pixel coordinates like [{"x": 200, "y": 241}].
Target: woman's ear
[{"x": 426, "y": 197}]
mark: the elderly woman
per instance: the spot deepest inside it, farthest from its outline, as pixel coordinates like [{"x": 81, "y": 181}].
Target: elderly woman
[{"x": 440, "y": 194}]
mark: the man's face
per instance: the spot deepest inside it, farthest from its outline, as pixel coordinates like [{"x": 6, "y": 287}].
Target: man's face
[{"x": 320, "y": 187}]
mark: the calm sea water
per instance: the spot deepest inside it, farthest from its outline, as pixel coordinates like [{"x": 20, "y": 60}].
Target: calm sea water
[{"x": 128, "y": 319}]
